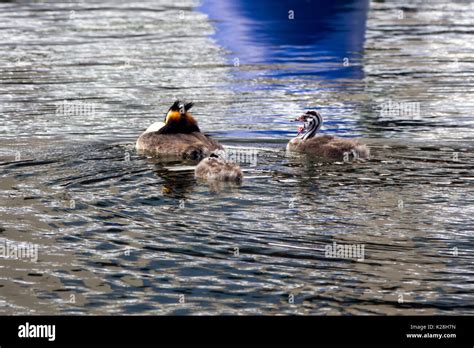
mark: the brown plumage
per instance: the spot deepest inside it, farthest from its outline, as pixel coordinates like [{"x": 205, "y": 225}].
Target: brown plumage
[
  {"x": 194, "y": 145},
  {"x": 179, "y": 136},
  {"x": 325, "y": 146},
  {"x": 328, "y": 146},
  {"x": 215, "y": 168}
]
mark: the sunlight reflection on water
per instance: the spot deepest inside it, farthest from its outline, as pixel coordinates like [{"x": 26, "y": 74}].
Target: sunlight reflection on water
[{"x": 125, "y": 234}]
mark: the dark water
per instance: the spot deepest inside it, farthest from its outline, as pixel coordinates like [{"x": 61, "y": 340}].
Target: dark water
[{"x": 122, "y": 234}]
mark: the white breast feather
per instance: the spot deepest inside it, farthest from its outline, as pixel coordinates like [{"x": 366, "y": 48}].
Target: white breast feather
[{"x": 155, "y": 127}]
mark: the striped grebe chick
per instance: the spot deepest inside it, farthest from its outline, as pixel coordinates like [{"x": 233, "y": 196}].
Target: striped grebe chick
[
  {"x": 178, "y": 136},
  {"x": 324, "y": 146},
  {"x": 215, "y": 168}
]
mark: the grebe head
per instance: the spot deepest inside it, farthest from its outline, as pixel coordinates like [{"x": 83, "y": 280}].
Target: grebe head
[
  {"x": 312, "y": 123},
  {"x": 177, "y": 110},
  {"x": 178, "y": 119}
]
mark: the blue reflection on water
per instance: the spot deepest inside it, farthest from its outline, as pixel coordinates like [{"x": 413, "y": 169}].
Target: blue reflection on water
[{"x": 304, "y": 32}]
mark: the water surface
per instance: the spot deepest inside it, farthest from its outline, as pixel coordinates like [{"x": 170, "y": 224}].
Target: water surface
[{"x": 119, "y": 233}]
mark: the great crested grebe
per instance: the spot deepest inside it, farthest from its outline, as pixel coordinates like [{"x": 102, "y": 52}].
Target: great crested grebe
[
  {"x": 215, "y": 168},
  {"x": 325, "y": 146},
  {"x": 178, "y": 136}
]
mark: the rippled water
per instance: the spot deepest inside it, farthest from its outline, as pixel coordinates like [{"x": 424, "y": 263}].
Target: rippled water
[{"x": 120, "y": 233}]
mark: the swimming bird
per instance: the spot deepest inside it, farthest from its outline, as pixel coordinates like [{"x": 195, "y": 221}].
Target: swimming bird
[
  {"x": 324, "y": 146},
  {"x": 215, "y": 168},
  {"x": 178, "y": 136}
]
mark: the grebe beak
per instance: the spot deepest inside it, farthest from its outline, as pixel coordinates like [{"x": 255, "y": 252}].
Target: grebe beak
[{"x": 300, "y": 118}]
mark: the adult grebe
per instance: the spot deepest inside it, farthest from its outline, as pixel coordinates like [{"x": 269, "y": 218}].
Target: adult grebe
[
  {"x": 325, "y": 146},
  {"x": 178, "y": 136}
]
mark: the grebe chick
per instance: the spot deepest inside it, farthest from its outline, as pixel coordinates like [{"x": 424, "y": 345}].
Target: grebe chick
[
  {"x": 179, "y": 136},
  {"x": 325, "y": 146},
  {"x": 214, "y": 168}
]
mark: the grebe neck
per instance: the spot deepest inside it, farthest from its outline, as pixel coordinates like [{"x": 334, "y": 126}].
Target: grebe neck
[{"x": 313, "y": 123}]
